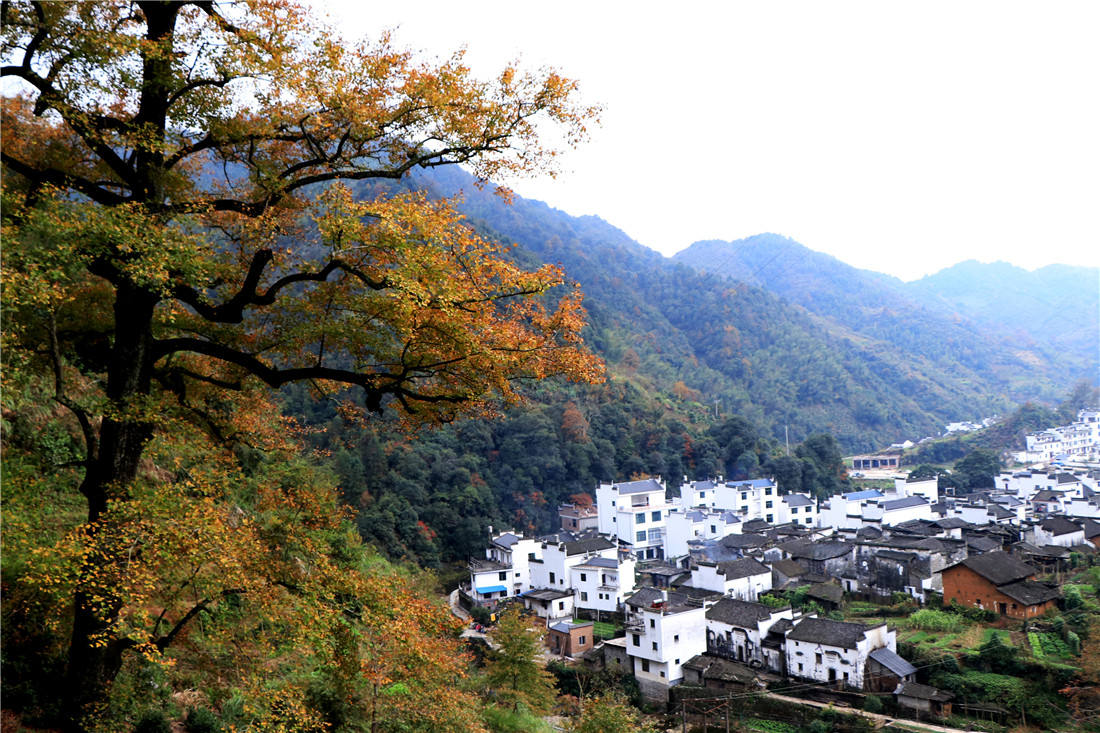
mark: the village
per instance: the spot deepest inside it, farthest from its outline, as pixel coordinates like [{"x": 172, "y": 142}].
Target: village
[{"x": 736, "y": 586}]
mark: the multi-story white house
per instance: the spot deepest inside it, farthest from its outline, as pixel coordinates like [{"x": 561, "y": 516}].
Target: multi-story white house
[
  {"x": 603, "y": 583},
  {"x": 662, "y": 633},
  {"x": 504, "y": 572},
  {"x": 744, "y": 579},
  {"x": 1076, "y": 441},
  {"x": 635, "y": 513},
  {"x": 684, "y": 525},
  {"x": 799, "y": 509},
  {"x": 752, "y": 499},
  {"x": 824, "y": 650},
  {"x": 928, "y": 488},
  {"x": 554, "y": 568}
]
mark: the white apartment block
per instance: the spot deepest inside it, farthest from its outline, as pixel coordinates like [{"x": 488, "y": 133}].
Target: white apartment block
[
  {"x": 682, "y": 525},
  {"x": 752, "y": 499},
  {"x": 1078, "y": 441},
  {"x": 635, "y": 513}
]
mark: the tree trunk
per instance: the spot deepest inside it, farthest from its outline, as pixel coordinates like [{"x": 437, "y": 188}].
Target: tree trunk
[{"x": 92, "y": 666}]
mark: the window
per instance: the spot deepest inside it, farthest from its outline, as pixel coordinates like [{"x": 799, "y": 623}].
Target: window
[
  {"x": 676, "y": 637},
  {"x": 652, "y": 623},
  {"x": 612, "y": 502},
  {"x": 656, "y": 516},
  {"x": 768, "y": 518},
  {"x": 561, "y": 605},
  {"x": 530, "y": 556},
  {"x": 641, "y": 536},
  {"x": 800, "y": 666},
  {"x": 702, "y": 494},
  {"x": 551, "y": 578},
  {"x": 744, "y": 495},
  {"x": 639, "y": 518},
  {"x": 584, "y": 577},
  {"x": 662, "y": 674},
  {"x": 677, "y": 661},
  {"x": 645, "y": 665},
  {"x": 584, "y": 596},
  {"x": 767, "y": 505},
  {"x": 637, "y": 640},
  {"x": 582, "y": 641},
  {"x": 807, "y": 520},
  {"x": 768, "y": 491},
  {"x": 502, "y": 575},
  {"x": 654, "y": 646},
  {"x": 817, "y": 658},
  {"x": 713, "y": 529}
]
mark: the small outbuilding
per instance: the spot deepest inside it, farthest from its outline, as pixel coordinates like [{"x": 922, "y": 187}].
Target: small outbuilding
[
  {"x": 923, "y": 699},
  {"x": 570, "y": 638}
]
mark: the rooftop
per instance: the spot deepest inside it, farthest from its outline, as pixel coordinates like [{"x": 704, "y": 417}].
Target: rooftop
[
  {"x": 742, "y": 614},
  {"x": 1059, "y": 526},
  {"x": 828, "y": 632},
  {"x": 742, "y": 568},
  {"x": 998, "y": 567},
  {"x": 639, "y": 487},
  {"x": 906, "y": 503},
  {"x": 892, "y": 662}
]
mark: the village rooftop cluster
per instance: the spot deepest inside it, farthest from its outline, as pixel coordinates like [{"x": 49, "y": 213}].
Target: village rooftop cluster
[{"x": 684, "y": 575}]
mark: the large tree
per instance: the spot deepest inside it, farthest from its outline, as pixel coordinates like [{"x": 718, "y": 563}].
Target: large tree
[{"x": 174, "y": 238}]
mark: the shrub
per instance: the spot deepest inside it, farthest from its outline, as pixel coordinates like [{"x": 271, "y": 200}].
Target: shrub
[
  {"x": 873, "y": 704},
  {"x": 153, "y": 721},
  {"x": 201, "y": 720},
  {"x": 932, "y": 620}
]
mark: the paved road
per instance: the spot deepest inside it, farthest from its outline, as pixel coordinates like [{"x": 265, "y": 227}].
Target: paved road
[{"x": 882, "y": 719}]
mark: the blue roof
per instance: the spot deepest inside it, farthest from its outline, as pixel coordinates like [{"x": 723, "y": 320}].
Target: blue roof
[
  {"x": 756, "y": 483},
  {"x": 868, "y": 494},
  {"x": 493, "y": 589}
]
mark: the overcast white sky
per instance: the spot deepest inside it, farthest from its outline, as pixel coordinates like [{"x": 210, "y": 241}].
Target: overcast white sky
[{"x": 898, "y": 137}]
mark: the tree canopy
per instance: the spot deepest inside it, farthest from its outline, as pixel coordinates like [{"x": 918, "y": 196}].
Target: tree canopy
[{"x": 177, "y": 243}]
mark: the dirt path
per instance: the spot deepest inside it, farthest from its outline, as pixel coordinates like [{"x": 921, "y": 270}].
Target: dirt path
[{"x": 881, "y": 719}]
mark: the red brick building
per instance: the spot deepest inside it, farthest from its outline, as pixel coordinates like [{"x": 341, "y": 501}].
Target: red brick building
[
  {"x": 570, "y": 639},
  {"x": 999, "y": 582}
]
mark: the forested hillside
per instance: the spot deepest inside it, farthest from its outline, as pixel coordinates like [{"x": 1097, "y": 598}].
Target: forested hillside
[{"x": 1031, "y": 335}]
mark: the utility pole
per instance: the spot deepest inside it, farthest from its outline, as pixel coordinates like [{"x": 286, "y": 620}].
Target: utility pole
[
  {"x": 787, "y": 440},
  {"x": 716, "y": 401}
]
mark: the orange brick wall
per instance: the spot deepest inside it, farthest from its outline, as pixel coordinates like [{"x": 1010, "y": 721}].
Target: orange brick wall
[{"x": 967, "y": 587}]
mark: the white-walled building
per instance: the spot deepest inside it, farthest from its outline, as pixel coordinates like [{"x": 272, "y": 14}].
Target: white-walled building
[
  {"x": 928, "y": 488},
  {"x": 504, "y": 572},
  {"x": 824, "y": 650},
  {"x": 736, "y": 630},
  {"x": 1058, "y": 531},
  {"x": 684, "y": 525},
  {"x": 662, "y": 634},
  {"x": 1079, "y": 440},
  {"x": 751, "y": 499},
  {"x": 635, "y": 513},
  {"x": 553, "y": 569},
  {"x": 744, "y": 579},
  {"x": 603, "y": 583}
]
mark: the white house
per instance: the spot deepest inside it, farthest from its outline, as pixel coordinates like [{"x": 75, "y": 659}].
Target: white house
[
  {"x": 846, "y": 511},
  {"x": 744, "y": 579},
  {"x": 603, "y": 583},
  {"x": 799, "y": 509},
  {"x": 928, "y": 488},
  {"x": 824, "y": 650},
  {"x": 635, "y": 513},
  {"x": 662, "y": 633},
  {"x": 549, "y": 604},
  {"x": 504, "y": 572},
  {"x": 736, "y": 630},
  {"x": 554, "y": 568},
  {"x": 1059, "y": 531},
  {"x": 896, "y": 511},
  {"x": 684, "y": 525}
]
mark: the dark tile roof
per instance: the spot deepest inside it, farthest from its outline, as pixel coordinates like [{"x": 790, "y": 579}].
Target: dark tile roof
[
  {"x": 892, "y": 662},
  {"x": 507, "y": 539},
  {"x": 639, "y": 487},
  {"x": 790, "y": 568},
  {"x": 826, "y": 592},
  {"x": 997, "y": 567},
  {"x": 645, "y": 597},
  {"x": 828, "y": 632},
  {"x": 743, "y": 614},
  {"x": 546, "y": 594},
  {"x": 907, "y": 502},
  {"x": 815, "y": 550},
  {"x": 594, "y": 544},
  {"x": 922, "y": 692},
  {"x": 1059, "y": 526},
  {"x": 600, "y": 562},
  {"x": 998, "y": 512},
  {"x": 742, "y": 568},
  {"x": 1029, "y": 592},
  {"x": 1047, "y": 495},
  {"x": 982, "y": 544},
  {"x": 755, "y": 525},
  {"x": 744, "y": 541},
  {"x": 1092, "y": 529},
  {"x": 797, "y": 500}
]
